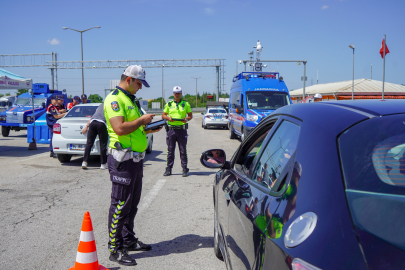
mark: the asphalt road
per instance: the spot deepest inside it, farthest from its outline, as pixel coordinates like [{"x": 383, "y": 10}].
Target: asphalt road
[{"x": 43, "y": 203}]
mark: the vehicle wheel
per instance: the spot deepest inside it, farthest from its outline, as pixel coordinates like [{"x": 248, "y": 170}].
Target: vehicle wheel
[
  {"x": 244, "y": 135},
  {"x": 217, "y": 249},
  {"x": 5, "y": 131},
  {"x": 205, "y": 127},
  {"x": 202, "y": 124},
  {"x": 149, "y": 149},
  {"x": 64, "y": 157},
  {"x": 231, "y": 133}
]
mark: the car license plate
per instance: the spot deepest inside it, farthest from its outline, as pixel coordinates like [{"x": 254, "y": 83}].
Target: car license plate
[{"x": 77, "y": 146}]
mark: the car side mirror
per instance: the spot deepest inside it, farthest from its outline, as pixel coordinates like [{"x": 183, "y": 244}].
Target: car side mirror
[
  {"x": 214, "y": 158},
  {"x": 202, "y": 113}
]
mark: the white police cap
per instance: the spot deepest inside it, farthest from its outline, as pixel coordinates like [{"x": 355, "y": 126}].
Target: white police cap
[{"x": 177, "y": 89}]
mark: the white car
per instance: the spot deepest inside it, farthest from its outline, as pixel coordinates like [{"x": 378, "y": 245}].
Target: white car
[
  {"x": 215, "y": 117},
  {"x": 68, "y": 139}
]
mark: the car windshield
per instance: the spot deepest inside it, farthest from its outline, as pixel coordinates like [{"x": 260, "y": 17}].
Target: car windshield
[
  {"x": 217, "y": 111},
  {"x": 82, "y": 111},
  {"x": 22, "y": 101},
  {"x": 39, "y": 101},
  {"x": 266, "y": 100}
]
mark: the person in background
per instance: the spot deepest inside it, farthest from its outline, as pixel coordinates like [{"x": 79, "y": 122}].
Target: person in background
[
  {"x": 96, "y": 126},
  {"x": 317, "y": 97},
  {"x": 52, "y": 115},
  {"x": 75, "y": 101},
  {"x": 177, "y": 129},
  {"x": 60, "y": 100},
  {"x": 84, "y": 98}
]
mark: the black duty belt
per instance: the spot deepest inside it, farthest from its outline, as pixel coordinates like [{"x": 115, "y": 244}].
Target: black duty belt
[{"x": 178, "y": 127}]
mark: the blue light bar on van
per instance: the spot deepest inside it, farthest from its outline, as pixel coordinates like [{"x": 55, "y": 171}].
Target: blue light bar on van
[{"x": 253, "y": 76}]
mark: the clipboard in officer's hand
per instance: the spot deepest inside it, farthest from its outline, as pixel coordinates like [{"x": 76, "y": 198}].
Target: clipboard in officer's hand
[
  {"x": 155, "y": 125},
  {"x": 178, "y": 119}
]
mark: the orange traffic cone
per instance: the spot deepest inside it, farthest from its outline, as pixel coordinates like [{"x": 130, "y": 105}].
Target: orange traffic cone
[{"x": 86, "y": 258}]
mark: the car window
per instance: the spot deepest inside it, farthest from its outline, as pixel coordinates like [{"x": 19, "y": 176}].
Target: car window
[
  {"x": 82, "y": 111},
  {"x": 276, "y": 154},
  {"x": 217, "y": 111},
  {"x": 266, "y": 100},
  {"x": 22, "y": 101},
  {"x": 373, "y": 155}
]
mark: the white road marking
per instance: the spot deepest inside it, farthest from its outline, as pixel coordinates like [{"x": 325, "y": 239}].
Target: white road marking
[
  {"x": 35, "y": 156},
  {"x": 151, "y": 195}
]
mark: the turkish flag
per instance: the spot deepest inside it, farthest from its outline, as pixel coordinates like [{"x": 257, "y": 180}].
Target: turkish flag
[{"x": 382, "y": 49}]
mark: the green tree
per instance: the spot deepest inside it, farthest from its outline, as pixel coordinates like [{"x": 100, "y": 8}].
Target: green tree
[
  {"x": 7, "y": 94},
  {"x": 21, "y": 91},
  {"x": 95, "y": 98},
  {"x": 1, "y": 95}
]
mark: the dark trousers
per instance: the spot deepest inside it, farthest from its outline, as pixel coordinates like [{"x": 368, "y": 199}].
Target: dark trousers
[
  {"x": 97, "y": 128},
  {"x": 50, "y": 144},
  {"x": 125, "y": 196},
  {"x": 179, "y": 136}
]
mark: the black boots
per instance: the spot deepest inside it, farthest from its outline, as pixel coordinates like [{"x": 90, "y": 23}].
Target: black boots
[
  {"x": 185, "y": 172},
  {"x": 168, "y": 172},
  {"x": 121, "y": 256}
]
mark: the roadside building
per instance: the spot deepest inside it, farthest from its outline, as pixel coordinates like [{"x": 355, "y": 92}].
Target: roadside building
[{"x": 363, "y": 89}]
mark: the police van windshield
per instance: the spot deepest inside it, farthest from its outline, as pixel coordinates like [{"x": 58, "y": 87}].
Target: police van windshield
[
  {"x": 39, "y": 101},
  {"x": 266, "y": 100},
  {"x": 22, "y": 101},
  {"x": 82, "y": 111}
]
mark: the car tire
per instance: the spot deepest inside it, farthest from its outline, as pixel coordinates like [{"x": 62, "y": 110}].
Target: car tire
[
  {"x": 64, "y": 157},
  {"x": 205, "y": 127},
  {"x": 149, "y": 149},
  {"x": 232, "y": 134},
  {"x": 244, "y": 134},
  {"x": 5, "y": 131},
  {"x": 217, "y": 249}
]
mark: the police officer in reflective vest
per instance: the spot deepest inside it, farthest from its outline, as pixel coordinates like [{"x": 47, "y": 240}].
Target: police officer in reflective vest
[
  {"x": 75, "y": 101},
  {"x": 177, "y": 113},
  {"x": 127, "y": 146},
  {"x": 53, "y": 113}
]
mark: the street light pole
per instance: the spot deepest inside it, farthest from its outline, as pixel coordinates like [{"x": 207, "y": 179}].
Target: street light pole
[
  {"x": 81, "y": 42},
  {"x": 352, "y": 47},
  {"x": 196, "y": 88}
]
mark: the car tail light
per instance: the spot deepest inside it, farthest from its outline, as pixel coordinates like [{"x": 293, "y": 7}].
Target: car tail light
[
  {"x": 208, "y": 116},
  {"x": 298, "y": 264},
  {"x": 56, "y": 129},
  {"x": 226, "y": 116},
  {"x": 56, "y": 148}
]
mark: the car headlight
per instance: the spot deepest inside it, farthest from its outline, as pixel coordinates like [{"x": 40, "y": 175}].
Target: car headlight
[
  {"x": 252, "y": 117},
  {"x": 28, "y": 118}
]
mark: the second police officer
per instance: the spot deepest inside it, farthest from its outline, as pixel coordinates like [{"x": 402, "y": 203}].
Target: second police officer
[{"x": 177, "y": 113}]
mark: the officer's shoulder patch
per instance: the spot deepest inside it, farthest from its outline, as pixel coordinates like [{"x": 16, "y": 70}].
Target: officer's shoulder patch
[
  {"x": 115, "y": 92},
  {"x": 115, "y": 106}
]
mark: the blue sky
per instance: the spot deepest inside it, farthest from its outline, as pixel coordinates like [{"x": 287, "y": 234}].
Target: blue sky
[{"x": 318, "y": 31}]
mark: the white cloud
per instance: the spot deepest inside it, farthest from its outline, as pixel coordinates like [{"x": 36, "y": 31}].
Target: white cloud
[
  {"x": 54, "y": 41},
  {"x": 325, "y": 7},
  {"x": 209, "y": 11}
]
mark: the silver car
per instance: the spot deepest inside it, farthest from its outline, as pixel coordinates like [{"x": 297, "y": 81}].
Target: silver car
[
  {"x": 215, "y": 117},
  {"x": 68, "y": 139}
]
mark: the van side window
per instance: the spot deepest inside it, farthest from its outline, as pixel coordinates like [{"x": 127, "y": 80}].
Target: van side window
[{"x": 235, "y": 97}]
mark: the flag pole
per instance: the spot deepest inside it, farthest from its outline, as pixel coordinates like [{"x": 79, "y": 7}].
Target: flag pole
[{"x": 385, "y": 42}]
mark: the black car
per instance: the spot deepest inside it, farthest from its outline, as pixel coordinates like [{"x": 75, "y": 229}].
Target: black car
[{"x": 314, "y": 186}]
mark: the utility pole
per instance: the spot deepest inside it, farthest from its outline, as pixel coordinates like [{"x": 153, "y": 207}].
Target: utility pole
[{"x": 196, "y": 88}]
